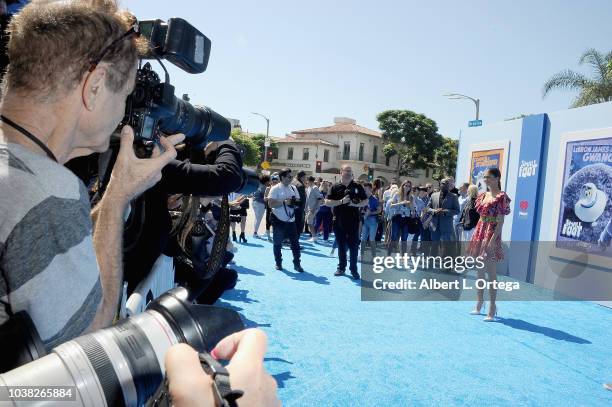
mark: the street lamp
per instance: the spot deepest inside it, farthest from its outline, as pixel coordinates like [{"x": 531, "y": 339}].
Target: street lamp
[
  {"x": 460, "y": 96},
  {"x": 267, "y": 140}
]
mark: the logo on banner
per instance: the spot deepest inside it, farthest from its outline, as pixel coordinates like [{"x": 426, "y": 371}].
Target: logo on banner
[
  {"x": 527, "y": 169},
  {"x": 524, "y": 205}
]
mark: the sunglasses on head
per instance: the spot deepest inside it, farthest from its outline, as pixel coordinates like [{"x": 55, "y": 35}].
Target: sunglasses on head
[{"x": 134, "y": 30}]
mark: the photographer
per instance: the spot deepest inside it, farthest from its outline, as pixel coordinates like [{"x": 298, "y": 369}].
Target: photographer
[
  {"x": 284, "y": 199},
  {"x": 64, "y": 93},
  {"x": 190, "y": 176},
  {"x": 346, "y": 198}
]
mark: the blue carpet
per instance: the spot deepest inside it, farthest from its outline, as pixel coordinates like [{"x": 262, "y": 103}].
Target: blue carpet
[{"x": 328, "y": 348}]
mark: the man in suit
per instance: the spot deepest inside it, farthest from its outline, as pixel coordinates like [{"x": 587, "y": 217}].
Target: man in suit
[{"x": 443, "y": 205}]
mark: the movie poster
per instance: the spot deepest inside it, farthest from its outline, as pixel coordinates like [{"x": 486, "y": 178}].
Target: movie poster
[
  {"x": 480, "y": 161},
  {"x": 585, "y": 211}
]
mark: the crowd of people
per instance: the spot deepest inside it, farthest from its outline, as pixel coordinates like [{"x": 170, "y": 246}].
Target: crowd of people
[{"x": 402, "y": 218}]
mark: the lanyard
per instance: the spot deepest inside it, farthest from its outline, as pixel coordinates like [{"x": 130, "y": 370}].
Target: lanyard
[{"x": 28, "y": 135}]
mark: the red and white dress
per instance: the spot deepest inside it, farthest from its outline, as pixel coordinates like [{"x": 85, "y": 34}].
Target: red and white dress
[{"x": 488, "y": 211}]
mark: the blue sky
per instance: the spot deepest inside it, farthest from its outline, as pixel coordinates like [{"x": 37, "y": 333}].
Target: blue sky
[{"x": 303, "y": 63}]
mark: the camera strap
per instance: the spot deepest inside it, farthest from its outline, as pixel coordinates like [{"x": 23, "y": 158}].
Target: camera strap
[
  {"x": 29, "y": 135},
  {"x": 222, "y": 390}
]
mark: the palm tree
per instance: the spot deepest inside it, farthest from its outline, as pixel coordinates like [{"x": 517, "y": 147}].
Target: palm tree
[{"x": 595, "y": 89}]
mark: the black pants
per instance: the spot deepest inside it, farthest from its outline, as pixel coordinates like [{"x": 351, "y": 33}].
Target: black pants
[
  {"x": 299, "y": 220},
  {"x": 268, "y": 218},
  {"x": 347, "y": 237},
  {"x": 282, "y": 231}
]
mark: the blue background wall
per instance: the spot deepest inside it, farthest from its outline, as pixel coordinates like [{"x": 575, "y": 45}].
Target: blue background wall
[{"x": 571, "y": 279}]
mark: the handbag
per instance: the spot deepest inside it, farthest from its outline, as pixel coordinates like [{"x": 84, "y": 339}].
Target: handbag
[{"x": 413, "y": 225}]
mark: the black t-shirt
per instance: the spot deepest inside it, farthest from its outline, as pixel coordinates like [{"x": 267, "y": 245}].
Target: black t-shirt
[{"x": 344, "y": 213}]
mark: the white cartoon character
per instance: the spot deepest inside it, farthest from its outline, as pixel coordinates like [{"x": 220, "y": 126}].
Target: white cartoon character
[{"x": 591, "y": 204}]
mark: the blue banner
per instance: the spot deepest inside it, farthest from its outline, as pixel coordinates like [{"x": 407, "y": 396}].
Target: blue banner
[{"x": 527, "y": 185}]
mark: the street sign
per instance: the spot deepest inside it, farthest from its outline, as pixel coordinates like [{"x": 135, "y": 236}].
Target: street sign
[
  {"x": 265, "y": 165},
  {"x": 475, "y": 123},
  {"x": 267, "y": 142}
]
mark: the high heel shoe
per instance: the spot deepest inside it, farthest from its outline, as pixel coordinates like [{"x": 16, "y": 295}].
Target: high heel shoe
[
  {"x": 477, "y": 309},
  {"x": 234, "y": 236},
  {"x": 490, "y": 318},
  {"x": 243, "y": 238}
]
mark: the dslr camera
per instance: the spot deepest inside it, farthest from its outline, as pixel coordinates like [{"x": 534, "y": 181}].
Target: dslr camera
[
  {"x": 294, "y": 202},
  {"x": 153, "y": 108},
  {"x": 354, "y": 199}
]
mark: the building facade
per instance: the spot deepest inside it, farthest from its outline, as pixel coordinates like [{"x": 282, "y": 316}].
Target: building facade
[{"x": 322, "y": 151}]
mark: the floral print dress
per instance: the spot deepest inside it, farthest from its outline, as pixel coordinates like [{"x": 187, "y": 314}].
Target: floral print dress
[{"x": 488, "y": 211}]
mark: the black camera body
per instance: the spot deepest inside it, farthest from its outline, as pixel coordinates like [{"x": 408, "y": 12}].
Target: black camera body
[
  {"x": 152, "y": 108},
  {"x": 354, "y": 199},
  {"x": 294, "y": 202}
]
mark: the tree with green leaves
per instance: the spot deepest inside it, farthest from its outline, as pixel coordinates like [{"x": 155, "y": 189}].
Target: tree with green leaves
[
  {"x": 260, "y": 140},
  {"x": 594, "y": 89},
  {"x": 410, "y": 136},
  {"x": 248, "y": 147},
  {"x": 445, "y": 162}
]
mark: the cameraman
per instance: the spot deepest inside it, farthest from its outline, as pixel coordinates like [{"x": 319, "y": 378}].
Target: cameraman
[
  {"x": 284, "y": 199},
  {"x": 347, "y": 198},
  {"x": 215, "y": 171},
  {"x": 64, "y": 94},
  {"x": 73, "y": 64}
]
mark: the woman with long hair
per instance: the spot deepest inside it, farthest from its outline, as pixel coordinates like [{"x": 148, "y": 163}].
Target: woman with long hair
[
  {"x": 492, "y": 206},
  {"x": 401, "y": 208},
  {"x": 469, "y": 215}
]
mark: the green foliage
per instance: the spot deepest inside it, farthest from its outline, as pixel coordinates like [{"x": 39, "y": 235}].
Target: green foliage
[
  {"x": 446, "y": 159},
  {"x": 420, "y": 134},
  {"x": 594, "y": 89},
  {"x": 250, "y": 148},
  {"x": 260, "y": 140}
]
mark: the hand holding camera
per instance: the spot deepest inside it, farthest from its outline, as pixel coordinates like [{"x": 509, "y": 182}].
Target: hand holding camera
[
  {"x": 132, "y": 175},
  {"x": 245, "y": 350}
]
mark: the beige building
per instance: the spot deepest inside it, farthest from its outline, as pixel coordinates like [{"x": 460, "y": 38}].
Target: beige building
[{"x": 322, "y": 151}]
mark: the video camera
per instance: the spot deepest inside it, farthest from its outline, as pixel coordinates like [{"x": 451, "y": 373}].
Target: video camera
[
  {"x": 354, "y": 199},
  {"x": 152, "y": 108},
  {"x": 294, "y": 202}
]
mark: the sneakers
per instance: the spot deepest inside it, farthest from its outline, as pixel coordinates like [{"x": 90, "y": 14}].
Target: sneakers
[
  {"x": 278, "y": 266},
  {"x": 355, "y": 275},
  {"x": 298, "y": 268},
  {"x": 339, "y": 273}
]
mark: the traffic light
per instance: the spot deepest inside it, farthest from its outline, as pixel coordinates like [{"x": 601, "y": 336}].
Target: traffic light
[
  {"x": 370, "y": 174},
  {"x": 270, "y": 155},
  {"x": 318, "y": 167}
]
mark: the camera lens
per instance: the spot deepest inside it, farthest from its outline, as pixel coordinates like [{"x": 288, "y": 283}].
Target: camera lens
[
  {"x": 200, "y": 125},
  {"x": 123, "y": 365}
]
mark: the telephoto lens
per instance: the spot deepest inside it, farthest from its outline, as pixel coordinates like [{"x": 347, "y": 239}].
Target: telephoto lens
[{"x": 122, "y": 365}]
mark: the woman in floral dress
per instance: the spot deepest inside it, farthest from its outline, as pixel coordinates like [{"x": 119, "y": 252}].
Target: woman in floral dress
[{"x": 492, "y": 206}]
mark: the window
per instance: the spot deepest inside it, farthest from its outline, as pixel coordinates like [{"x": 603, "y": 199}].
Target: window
[
  {"x": 375, "y": 155},
  {"x": 290, "y": 153},
  {"x": 387, "y": 159},
  {"x": 361, "y": 148},
  {"x": 275, "y": 153},
  {"x": 346, "y": 152},
  {"x": 305, "y": 154},
  {"x": 326, "y": 156}
]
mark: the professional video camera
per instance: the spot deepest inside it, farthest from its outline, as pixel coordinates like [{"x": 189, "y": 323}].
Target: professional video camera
[
  {"x": 153, "y": 108},
  {"x": 123, "y": 365}
]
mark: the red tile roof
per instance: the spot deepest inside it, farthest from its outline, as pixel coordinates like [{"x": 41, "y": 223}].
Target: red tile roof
[
  {"x": 341, "y": 128},
  {"x": 305, "y": 141}
]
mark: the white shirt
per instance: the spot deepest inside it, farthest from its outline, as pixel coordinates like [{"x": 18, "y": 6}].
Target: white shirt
[{"x": 281, "y": 192}]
